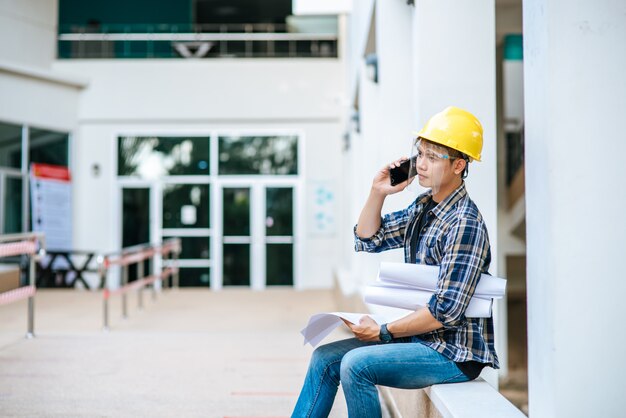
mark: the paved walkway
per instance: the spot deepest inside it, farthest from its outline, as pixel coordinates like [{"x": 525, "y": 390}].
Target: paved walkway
[{"x": 190, "y": 353}]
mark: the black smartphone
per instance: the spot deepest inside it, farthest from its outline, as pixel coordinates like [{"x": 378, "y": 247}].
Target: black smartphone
[{"x": 401, "y": 173}]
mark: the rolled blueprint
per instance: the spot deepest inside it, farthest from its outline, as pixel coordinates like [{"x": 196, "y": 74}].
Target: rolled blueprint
[
  {"x": 407, "y": 298},
  {"x": 424, "y": 277}
]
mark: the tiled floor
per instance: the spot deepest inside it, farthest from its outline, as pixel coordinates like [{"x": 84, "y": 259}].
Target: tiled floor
[{"x": 190, "y": 353}]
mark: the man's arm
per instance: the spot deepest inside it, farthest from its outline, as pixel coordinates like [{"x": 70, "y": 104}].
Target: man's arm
[
  {"x": 415, "y": 323},
  {"x": 369, "y": 220}
]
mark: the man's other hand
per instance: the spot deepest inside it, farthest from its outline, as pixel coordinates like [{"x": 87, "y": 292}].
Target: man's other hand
[{"x": 366, "y": 330}]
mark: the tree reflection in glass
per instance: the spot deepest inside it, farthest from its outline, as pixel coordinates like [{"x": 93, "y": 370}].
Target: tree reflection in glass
[
  {"x": 236, "y": 215},
  {"x": 279, "y": 211},
  {"x": 178, "y": 196},
  {"x": 264, "y": 155},
  {"x": 155, "y": 157}
]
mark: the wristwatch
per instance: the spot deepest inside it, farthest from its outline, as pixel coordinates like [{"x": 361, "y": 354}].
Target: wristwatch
[{"x": 384, "y": 335}]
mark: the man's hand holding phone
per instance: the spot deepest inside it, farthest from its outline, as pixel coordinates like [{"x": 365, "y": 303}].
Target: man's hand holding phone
[{"x": 383, "y": 183}]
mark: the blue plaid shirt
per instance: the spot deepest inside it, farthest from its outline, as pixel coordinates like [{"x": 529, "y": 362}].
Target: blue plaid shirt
[{"x": 455, "y": 239}]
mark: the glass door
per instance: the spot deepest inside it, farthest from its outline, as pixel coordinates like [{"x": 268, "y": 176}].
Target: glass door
[
  {"x": 279, "y": 236},
  {"x": 258, "y": 244},
  {"x": 237, "y": 236},
  {"x": 177, "y": 170},
  {"x": 186, "y": 215},
  {"x": 135, "y": 220}
]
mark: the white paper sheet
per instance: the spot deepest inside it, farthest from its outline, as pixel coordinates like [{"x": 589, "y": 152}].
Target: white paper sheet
[
  {"x": 407, "y": 298},
  {"x": 322, "y": 324},
  {"x": 424, "y": 277}
]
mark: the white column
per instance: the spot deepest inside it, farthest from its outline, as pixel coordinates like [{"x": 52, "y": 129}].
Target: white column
[
  {"x": 454, "y": 64},
  {"x": 395, "y": 80},
  {"x": 575, "y": 103}
]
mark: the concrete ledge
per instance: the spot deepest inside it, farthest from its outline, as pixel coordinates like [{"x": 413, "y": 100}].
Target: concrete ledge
[
  {"x": 43, "y": 74},
  {"x": 471, "y": 400},
  {"x": 476, "y": 399}
]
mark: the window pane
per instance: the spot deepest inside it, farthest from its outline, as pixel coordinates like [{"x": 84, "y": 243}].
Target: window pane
[
  {"x": 48, "y": 147},
  {"x": 135, "y": 216},
  {"x": 154, "y": 157},
  {"x": 13, "y": 206},
  {"x": 236, "y": 265},
  {"x": 258, "y": 155},
  {"x": 279, "y": 211},
  {"x": 186, "y": 206},
  {"x": 136, "y": 223},
  {"x": 194, "y": 277},
  {"x": 194, "y": 248},
  {"x": 279, "y": 262},
  {"x": 10, "y": 145},
  {"x": 236, "y": 211}
]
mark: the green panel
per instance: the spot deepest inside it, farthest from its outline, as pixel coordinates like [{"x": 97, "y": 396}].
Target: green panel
[
  {"x": 135, "y": 216},
  {"x": 236, "y": 267},
  {"x": 279, "y": 211},
  {"x": 194, "y": 277},
  {"x": 10, "y": 145},
  {"x": 513, "y": 48},
  {"x": 136, "y": 223},
  {"x": 180, "y": 197},
  {"x": 13, "y": 206},
  {"x": 194, "y": 248},
  {"x": 236, "y": 211},
  {"x": 279, "y": 262},
  {"x": 124, "y": 11}
]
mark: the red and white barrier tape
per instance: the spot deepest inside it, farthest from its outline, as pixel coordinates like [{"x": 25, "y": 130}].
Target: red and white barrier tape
[
  {"x": 17, "y": 294},
  {"x": 166, "y": 272},
  {"x": 125, "y": 260},
  {"x": 129, "y": 259},
  {"x": 17, "y": 248},
  {"x": 137, "y": 284}
]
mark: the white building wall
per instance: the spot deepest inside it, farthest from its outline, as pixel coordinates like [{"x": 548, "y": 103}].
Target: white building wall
[
  {"x": 575, "y": 101},
  {"x": 30, "y": 92},
  {"x": 28, "y": 31},
  {"x": 358, "y": 28},
  {"x": 38, "y": 98},
  {"x": 386, "y": 119},
  {"x": 204, "y": 97},
  {"x": 208, "y": 90},
  {"x": 395, "y": 80}
]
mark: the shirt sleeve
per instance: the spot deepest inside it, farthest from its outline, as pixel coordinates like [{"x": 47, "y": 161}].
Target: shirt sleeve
[
  {"x": 466, "y": 250},
  {"x": 390, "y": 235}
]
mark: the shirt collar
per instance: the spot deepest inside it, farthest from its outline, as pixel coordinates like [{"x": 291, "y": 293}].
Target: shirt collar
[{"x": 447, "y": 204}]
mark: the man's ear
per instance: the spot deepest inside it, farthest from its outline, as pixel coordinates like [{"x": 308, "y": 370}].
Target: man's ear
[{"x": 459, "y": 165}]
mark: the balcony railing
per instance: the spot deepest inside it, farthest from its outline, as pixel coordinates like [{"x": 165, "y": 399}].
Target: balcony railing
[{"x": 194, "y": 41}]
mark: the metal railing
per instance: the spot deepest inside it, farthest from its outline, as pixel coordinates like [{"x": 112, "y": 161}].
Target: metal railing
[
  {"x": 169, "y": 252},
  {"x": 33, "y": 246},
  {"x": 193, "y": 41}
]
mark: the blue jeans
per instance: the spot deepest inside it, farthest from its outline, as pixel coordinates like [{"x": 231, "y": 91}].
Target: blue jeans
[{"x": 360, "y": 366}]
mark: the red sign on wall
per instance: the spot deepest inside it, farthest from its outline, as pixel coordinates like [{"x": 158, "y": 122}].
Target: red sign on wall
[{"x": 51, "y": 197}]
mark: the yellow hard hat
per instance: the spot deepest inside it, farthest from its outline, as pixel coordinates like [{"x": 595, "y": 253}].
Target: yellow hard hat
[{"x": 455, "y": 128}]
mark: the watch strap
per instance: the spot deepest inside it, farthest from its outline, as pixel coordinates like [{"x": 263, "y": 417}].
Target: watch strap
[{"x": 385, "y": 336}]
